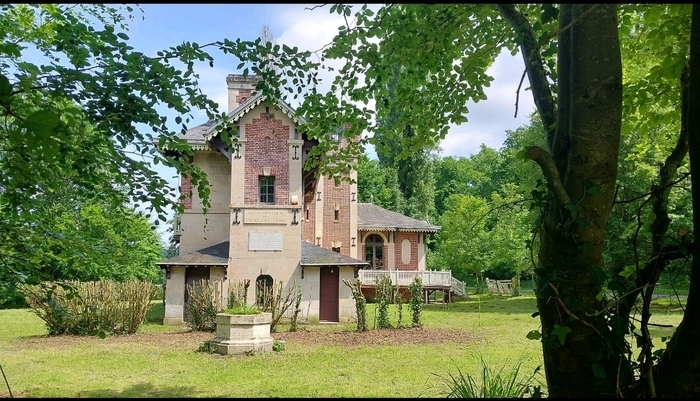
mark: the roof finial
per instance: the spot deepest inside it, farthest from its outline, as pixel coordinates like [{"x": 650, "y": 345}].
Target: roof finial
[{"x": 371, "y": 199}]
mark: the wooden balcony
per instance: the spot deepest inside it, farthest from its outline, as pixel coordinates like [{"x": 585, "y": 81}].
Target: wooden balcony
[{"x": 403, "y": 278}]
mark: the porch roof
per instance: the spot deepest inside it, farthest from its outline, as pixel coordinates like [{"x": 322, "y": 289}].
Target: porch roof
[
  {"x": 314, "y": 255},
  {"x": 215, "y": 255},
  {"x": 372, "y": 217}
]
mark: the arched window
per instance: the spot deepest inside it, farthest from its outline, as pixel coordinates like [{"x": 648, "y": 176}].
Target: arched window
[
  {"x": 374, "y": 251},
  {"x": 263, "y": 290}
]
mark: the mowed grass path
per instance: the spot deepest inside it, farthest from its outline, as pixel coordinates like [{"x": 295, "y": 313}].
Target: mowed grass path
[{"x": 162, "y": 361}]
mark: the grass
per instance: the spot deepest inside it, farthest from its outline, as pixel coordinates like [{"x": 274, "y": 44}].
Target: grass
[{"x": 134, "y": 366}]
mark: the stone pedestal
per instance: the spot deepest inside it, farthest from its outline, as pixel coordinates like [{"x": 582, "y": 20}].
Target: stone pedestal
[{"x": 241, "y": 334}]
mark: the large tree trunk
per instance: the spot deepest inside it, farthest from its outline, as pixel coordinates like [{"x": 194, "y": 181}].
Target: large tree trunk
[
  {"x": 581, "y": 174},
  {"x": 678, "y": 372}
]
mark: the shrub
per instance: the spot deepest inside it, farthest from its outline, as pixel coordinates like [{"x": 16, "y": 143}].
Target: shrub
[
  {"x": 515, "y": 282},
  {"x": 360, "y": 304},
  {"x": 238, "y": 293},
  {"x": 416, "y": 302},
  {"x": 385, "y": 294},
  {"x": 274, "y": 302},
  {"x": 90, "y": 308},
  {"x": 494, "y": 382},
  {"x": 202, "y": 306},
  {"x": 295, "y": 313},
  {"x": 398, "y": 299}
]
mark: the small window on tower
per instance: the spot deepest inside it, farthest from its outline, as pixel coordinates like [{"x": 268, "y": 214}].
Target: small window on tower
[
  {"x": 267, "y": 189},
  {"x": 336, "y": 249},
  {"x": 336, "y": 213}
]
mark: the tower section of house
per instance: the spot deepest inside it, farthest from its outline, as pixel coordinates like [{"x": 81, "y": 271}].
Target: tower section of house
[{"x": 265, "y": 190}]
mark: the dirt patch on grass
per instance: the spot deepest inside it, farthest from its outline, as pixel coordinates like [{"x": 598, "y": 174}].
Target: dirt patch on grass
[
  {"x": 375, "y": 337},
  {"x": 326, "y": 336}
]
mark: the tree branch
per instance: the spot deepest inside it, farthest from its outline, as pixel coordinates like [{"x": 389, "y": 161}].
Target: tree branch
[
  {"x": 549, "y": 169},
  {"x": 534, "y": 66}
]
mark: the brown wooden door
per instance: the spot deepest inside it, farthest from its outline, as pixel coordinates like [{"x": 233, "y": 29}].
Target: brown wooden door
[
  {"x": 193, "y": 274},
  {"x": 328, "y": 305}
]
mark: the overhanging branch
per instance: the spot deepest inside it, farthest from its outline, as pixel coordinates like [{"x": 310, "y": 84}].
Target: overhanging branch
[{"x": 549, "y": 169}]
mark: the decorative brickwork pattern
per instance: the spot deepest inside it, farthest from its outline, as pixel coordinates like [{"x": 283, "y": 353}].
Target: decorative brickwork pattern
[
  {"x": 266, "y": 146},
  {"x": 413, "y": 238}
]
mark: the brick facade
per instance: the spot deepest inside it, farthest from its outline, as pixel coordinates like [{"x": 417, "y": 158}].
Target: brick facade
[
  {"x": 336, "y": 231},
  {"x": 267, "y": 146},
  {"x": 412, "y": 237},
  {"x": 243, "y": 94},
  {"x": 185, "y": 191}
]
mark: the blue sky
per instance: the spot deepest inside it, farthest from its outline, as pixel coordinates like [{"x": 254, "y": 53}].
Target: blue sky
[{"x": 167, "y": 25}]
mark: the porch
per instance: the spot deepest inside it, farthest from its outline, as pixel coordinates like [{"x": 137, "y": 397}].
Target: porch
[{"x": 432, "y": 280}]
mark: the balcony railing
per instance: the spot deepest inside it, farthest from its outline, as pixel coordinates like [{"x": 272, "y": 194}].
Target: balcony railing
[{"x": 404, "y": 278}]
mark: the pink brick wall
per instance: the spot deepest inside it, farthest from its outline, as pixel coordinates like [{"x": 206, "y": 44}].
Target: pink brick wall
[
  {"x": 336, "y": 230},
  {"x": 243, "y": 94},
  {"x": 185, "y": 188},
  {"x": 413, "y": 238}
]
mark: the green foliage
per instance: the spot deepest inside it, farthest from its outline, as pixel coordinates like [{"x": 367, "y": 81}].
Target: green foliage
[
  {"x": 202, "y": 306},
  {"x": 277, "y": 346},
  {"x": 398, "y": 300},
  {"x": 516, "y": 286},
  {"x": 505, "y": 381},
  {"x": 238, "y": 293},
  {"x": 416, "y": 301},
  {"x": 243, "y": 309},
  {"x": 274, "y": 302},
  {"x": 385, "y": 295},
  {"x": 293, "y": 325},
  {"x": 378, "y": 185},
  {"x": 360, "y": 303},
  {"x": 90, "y": 308}
]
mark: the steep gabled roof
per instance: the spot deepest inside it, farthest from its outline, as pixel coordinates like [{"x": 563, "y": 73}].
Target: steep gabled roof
[
  {"x": 199, "y": 136},
  {"x": 248, "y": 105},
  {"x": 372, "y": 217},
  {"x": 215, "y": 255},
  {"x": 314, "y": 255}
]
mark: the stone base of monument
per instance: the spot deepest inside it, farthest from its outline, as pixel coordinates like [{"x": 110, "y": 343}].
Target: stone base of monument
[{"x": 242, "y": 334}]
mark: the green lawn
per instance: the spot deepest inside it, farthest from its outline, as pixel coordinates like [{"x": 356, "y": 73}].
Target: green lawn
[{"x": 162, "y": 361}]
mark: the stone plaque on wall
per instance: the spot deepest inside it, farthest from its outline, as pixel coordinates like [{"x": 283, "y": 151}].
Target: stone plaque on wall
[
  {"x": 255, "y": 216},
  {"x": 264, "y": 241}
]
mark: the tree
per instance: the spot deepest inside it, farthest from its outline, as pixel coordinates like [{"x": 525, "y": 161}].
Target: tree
[
  {"x": 415, "y": 171},
  {"x": 572, "y": 56},
  {"x": 378, "y": 185}
]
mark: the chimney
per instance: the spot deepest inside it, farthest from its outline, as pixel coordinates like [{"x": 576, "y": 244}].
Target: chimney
[{"x": 239, "y": 89}]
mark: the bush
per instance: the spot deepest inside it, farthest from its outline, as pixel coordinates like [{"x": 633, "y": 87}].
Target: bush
[
  {"x": 495, "y": 382},
  {"x": 202, "y": 306},
  {"x": 90, "y": 308},
  {"x": 275, "y": 303},
  {"x": 416, "y": 301},
  {"x": 360, "y": 303},
  {"x": 385, "y": 295}
]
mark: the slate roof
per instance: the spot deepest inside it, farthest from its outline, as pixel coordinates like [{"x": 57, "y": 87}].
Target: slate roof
[
  {"x": 373, "y": 217},
  {"x": 314, "y": 255},
  {"x": 215, "y": 255}
]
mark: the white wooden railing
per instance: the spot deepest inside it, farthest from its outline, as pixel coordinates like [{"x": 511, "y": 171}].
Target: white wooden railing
[{"x": 405, "y": 278}]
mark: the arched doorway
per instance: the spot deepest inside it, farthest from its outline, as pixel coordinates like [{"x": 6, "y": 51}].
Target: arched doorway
[
  {"x": 263, "y": 290},
  {"x": 374, "y": 251}
]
